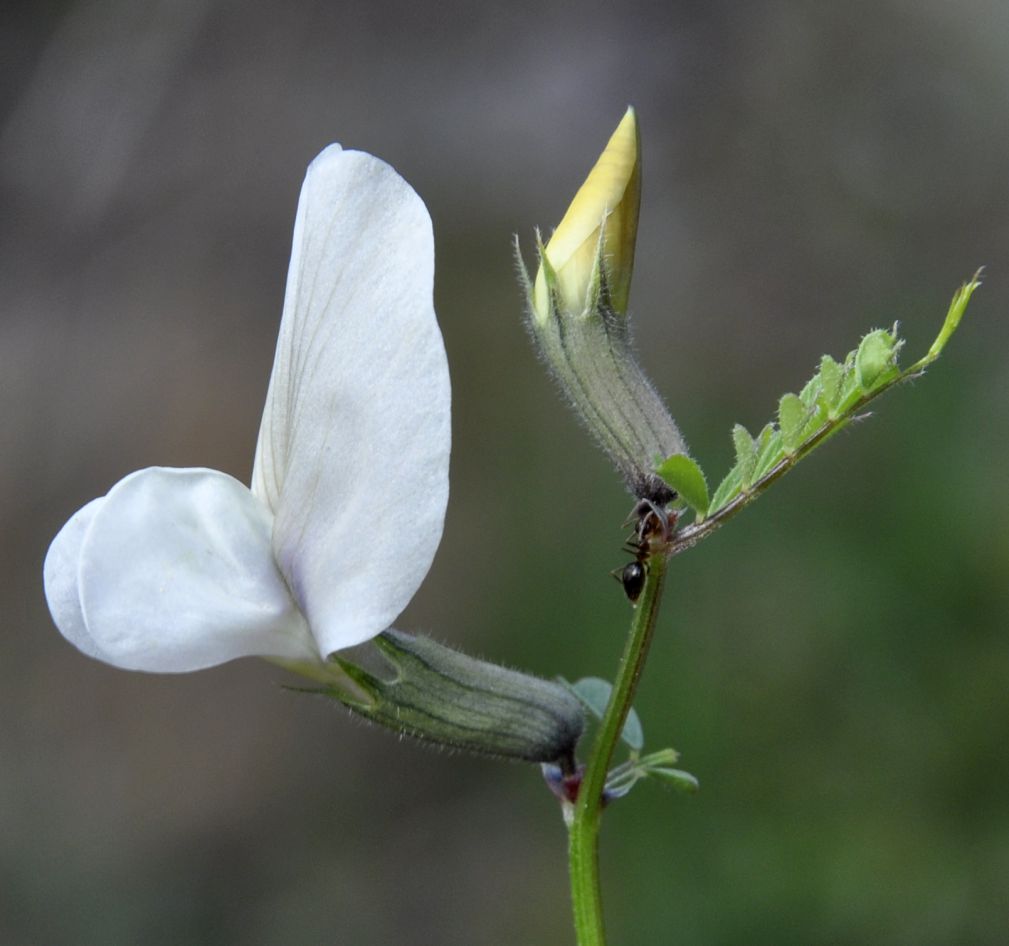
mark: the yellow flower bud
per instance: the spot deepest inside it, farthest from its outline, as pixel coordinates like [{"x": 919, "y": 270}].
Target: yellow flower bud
[
  {"x": 598, "y": 230},
  {"x": 577, "y": 310}
]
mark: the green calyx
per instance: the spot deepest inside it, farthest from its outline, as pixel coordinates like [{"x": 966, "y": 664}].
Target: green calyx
[
  {"x": 590, "y": 355},
  {"x": 438, "y": 695}
]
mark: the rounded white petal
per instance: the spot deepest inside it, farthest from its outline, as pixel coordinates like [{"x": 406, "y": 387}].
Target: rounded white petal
[
  {"x": 60, "y": 577},
  {"x": 354, "y": 446},
  {"x": 176, "y": 573}
]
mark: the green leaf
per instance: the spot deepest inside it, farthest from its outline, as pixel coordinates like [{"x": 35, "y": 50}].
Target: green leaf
[
  {"x": 876, "y": 359},
  {"x": 662, "y": 757},
  {"x": 956, "y": 310},
  {"x": 815, "y": 419},
  {"x": 680, "y": 780},
  {"x": 594, "y": 694},
  {"x": 831, "y": 376},
  {"x": 727, "y": 490},
  {"x": 851, "y": 390},
  {"x": 827, "y": 403},
  {"x": 687, "y": 478},
  {"x": 811, "y": 391},
  {"x": 621, "y": 788},
  {"x": 769, "y": 452},
  {"x": 746, "y": 455},
  {"x": 792, "y": 414}
]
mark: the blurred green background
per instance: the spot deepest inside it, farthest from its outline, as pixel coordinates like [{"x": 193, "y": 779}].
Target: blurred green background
[{"x": 834, "y": 666}]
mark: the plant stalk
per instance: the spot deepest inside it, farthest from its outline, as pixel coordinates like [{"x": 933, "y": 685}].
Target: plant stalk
[{"x": 583, "y": 834}]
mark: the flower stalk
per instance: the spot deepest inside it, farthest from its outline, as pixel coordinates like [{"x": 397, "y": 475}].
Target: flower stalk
[{"x": 583, "y": 833}]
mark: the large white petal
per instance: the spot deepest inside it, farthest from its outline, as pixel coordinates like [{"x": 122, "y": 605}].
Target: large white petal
[
  {"x": 354, "y": 446},
  {"x": 176, "y": 573},
  {"x": 60, "y": 576}
]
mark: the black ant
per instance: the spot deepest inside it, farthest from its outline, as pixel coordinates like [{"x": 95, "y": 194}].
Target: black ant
[
  {"x": 632, "y": 577},
  {"x": 654, "y": 526}
]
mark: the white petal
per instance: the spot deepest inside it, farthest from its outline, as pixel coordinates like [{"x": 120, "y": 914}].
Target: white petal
[
  {"x": 60, "y": 576},
  {"x": 176, "y": 573},
  {"x": 354, "y": 446}
]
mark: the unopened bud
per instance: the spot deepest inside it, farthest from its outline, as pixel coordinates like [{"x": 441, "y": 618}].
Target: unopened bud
[
  {"x": 578, "y": 318},
  {"x": 593, "y": 246}
]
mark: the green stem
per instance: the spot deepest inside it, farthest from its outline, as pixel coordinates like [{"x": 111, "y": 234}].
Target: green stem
[{"x": 583, "y": 836}]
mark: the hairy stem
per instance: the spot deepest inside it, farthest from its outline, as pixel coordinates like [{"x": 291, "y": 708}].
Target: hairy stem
[{"x": 583, "y": 836}]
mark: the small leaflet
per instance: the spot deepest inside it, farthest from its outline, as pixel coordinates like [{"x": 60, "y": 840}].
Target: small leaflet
[
  {"x": 680, "y": 780},
  {"x": 831, "y": 375},
  {"x": 746, "y": 455},
  {"x": 594, "y": 693},
  {"x": 727, "y": 490},
  {"x": 687, "y": 478},
  {"x": 792, "y": 414},
  {"x": 875, "y": 360}
]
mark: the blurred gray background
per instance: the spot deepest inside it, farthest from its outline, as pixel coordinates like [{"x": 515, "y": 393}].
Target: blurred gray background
[{"x": 834, "y": 666}]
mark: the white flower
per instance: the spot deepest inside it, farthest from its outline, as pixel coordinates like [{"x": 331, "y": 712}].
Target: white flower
[{"x": 179, "y": 569}]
